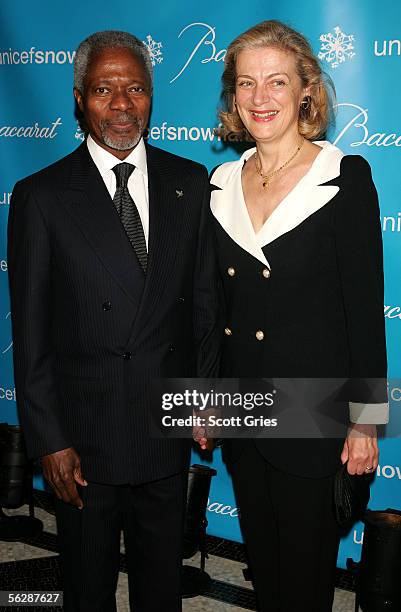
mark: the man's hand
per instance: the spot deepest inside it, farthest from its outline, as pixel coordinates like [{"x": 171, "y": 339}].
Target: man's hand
[
  {"x": 62, "y": 471},
  {"x": 361, "y": 450}
]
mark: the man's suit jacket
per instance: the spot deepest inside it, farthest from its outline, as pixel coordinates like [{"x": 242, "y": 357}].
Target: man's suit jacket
[
  {"x": 90, "y": 330},
  {"x": 312, "y": 282}
]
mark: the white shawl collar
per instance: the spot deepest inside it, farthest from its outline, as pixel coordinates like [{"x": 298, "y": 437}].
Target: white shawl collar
[{"x": 229, "y": 208}]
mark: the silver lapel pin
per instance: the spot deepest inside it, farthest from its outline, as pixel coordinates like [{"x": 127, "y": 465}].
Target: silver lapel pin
[{"x": 179, "y": 193}]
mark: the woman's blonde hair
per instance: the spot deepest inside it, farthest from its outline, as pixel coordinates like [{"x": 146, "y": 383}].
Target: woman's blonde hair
[{"x": 316, "y": 110}]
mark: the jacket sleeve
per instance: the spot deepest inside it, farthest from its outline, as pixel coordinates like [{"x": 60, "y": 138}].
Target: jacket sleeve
[
  {"x": 29, "y": 261},
  {"x": 207, "y": 302},
  {"x": 360, "y": 263}
]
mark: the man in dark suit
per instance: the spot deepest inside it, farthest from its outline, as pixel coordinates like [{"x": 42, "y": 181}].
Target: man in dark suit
[{"x": 112, "y": 278}]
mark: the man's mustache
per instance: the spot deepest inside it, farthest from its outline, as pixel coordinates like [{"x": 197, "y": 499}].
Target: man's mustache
[{"x": 122, "y": 118}]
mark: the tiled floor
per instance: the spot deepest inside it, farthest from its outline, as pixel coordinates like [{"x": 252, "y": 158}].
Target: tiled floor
[{"x": 229, "y": 591}]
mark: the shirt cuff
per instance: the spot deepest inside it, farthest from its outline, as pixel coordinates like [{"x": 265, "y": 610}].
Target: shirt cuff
[{"x": 368, "y": 414}]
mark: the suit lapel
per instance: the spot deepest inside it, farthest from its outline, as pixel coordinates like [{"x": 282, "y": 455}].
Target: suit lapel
[
  {"x": 229, "y": 208},
  {"x": 165, "y": 221},
  {"x": 89, "y": 203},
  {"x": 312, "y": 192}
]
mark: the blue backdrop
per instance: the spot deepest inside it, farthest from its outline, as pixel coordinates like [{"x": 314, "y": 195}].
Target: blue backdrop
[{"x": 358, "y": 46}]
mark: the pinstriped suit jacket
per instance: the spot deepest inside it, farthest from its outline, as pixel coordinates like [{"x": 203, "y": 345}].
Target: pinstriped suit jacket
[{"x": 90, "y": 330}]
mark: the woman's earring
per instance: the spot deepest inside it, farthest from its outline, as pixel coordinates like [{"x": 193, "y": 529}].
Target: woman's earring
[{"x": 306, "y": 103}]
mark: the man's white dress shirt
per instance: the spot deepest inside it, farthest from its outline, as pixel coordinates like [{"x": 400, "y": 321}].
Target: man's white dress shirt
[{"x": 137, "y": 182}]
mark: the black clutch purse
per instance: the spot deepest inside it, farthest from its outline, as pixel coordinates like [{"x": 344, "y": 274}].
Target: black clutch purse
[{"x": 351, "y": 496}]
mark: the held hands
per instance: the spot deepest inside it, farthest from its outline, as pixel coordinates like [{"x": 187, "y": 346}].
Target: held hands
[
  {"x": 360, "y": 449},
  {"x": 199, "y": 435},
  {"x": 62, "y": 471}
]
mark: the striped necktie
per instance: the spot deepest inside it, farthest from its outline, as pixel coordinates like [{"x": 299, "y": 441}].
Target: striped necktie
[{"x": 129, "y": 214}]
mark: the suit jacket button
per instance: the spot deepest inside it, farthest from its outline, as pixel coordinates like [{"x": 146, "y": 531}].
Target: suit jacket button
[
  {"x": 181, "y": 300},
  {"x": 127, "y": 356},
  {"x": 231, "y": 271},
  {"x": 106, "y": 305},
  {"x": 266, "y": 272},
  {"x": 171, "y": 348},
  {"x": 259, "y": 335},
  {"x": 228, "y": 331}
]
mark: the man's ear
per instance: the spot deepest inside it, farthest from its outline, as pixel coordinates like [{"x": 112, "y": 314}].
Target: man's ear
[{"x": 79, "y": 100}]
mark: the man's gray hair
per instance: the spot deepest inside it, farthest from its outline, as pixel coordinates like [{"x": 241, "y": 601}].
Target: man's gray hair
[{"x": 105, "y": 40}]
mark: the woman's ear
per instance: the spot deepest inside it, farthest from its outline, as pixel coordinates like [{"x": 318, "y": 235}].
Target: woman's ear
[{"x": 306, "y": 93}]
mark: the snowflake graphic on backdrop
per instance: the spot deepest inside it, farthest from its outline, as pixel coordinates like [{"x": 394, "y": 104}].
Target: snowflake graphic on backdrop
[
  {"x": 154, "y": 47},
  {"x": 79, "y": 134},
  {"x": 337, "y": 47}
]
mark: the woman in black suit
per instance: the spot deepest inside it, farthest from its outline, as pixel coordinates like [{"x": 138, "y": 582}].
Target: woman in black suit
[{"x": 300, "y": 254}]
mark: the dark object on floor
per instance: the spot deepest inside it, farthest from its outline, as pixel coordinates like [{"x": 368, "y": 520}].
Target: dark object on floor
[
  {"x": 379, "y": 585},
  {"x": 195, "y": 580},
  {"x": 351, "y": 496},
  {"x": 16, "y": 486}
]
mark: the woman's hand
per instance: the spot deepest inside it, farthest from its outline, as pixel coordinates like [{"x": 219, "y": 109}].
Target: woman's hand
[{"x": 360, "y": 449}]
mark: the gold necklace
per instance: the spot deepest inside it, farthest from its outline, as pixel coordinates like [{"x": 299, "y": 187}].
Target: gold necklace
[{"x": 267, "y": 178}]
